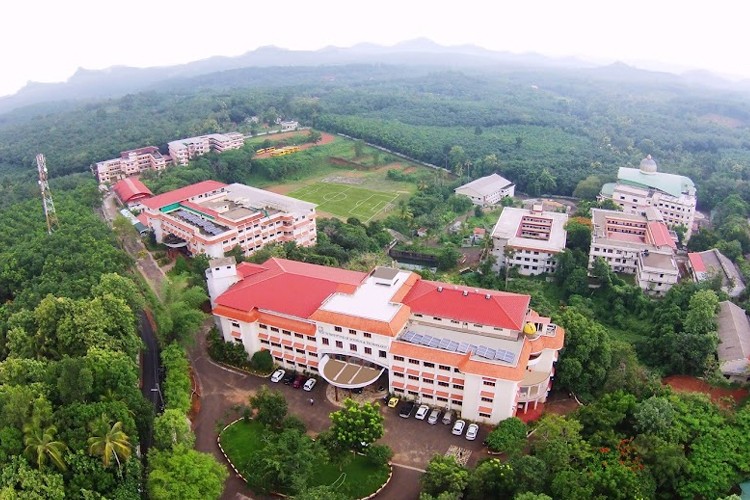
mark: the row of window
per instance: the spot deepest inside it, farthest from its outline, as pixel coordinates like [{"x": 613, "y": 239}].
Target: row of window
[
  {"x": 301, "y": 366},
  {"x": 428, "y": 396},
  {"x": 426, "y": 364},
  {"x": 366, "y": 335}
]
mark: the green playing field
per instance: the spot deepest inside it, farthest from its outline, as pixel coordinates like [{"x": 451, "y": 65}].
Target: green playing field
[{"x": 346, "y": 201}]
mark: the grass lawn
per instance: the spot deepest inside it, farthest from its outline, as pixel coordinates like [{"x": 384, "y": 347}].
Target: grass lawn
[
  {"x": 347, "y": 201},
  {"x": 356, "y": 479}
]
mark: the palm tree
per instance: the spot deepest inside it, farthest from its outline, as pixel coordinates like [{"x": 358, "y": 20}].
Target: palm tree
[
  {"x": 109, "y": 442},
  {"x": 41, "y": 445}
]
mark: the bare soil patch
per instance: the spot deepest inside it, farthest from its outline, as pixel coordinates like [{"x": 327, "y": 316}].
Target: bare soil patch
[
  {"x": 324, "y": 139},
  {"x": 686, "y": 383}
]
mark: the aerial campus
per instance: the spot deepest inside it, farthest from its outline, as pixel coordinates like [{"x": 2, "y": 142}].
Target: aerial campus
[{"x": 464, "y": 353}]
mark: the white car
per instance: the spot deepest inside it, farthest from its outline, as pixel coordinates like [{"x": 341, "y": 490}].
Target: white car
[
  {"x": 278, "y": 375},
  {"x": 458, "y": 427},
  {"x": 422, "y": 412},
  {"x": 434, "y": 416},
  {"x": 472, "y": 431},
  {"x": 309, "y": 384}
]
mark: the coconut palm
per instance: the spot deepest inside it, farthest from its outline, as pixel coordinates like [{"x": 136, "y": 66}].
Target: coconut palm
[
  {"x": 41, "y": 445},
  {"x": 109, "y": 442}
]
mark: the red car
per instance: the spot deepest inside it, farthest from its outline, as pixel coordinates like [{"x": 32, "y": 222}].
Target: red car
[{"x": 298, "y": 381}]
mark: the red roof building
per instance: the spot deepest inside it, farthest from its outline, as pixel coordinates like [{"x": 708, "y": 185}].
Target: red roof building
[
  {"x": 131, "y": 192},
  {"x": 481, "y": 352}
]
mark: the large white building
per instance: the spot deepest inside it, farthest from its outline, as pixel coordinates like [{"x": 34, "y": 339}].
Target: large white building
[
  {"x": 635, "y": 244},
  {"x": 483, "y": 353},
  {"x": 528, "y": 239},
  {"x": 129, "y": 163},
  {"x": 639, "y": 188},
  {"x": 213, "y": 218},
  {"x": 487, "y": 190},
  {"x": 183, "y": 150}
]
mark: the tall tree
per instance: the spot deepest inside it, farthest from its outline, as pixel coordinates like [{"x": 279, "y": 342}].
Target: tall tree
[
  {"x": 109, "y": 442},
  {"x": 444, "y": 476},
  {"x": 183, "y": 473},
  {"x": 42, "y": 446},
  {"x": 357, "y": 424},
  {"x": 270, "y": 406}
]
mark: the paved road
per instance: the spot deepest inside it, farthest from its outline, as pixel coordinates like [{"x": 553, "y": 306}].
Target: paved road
[{"x": 414, "y": 442}]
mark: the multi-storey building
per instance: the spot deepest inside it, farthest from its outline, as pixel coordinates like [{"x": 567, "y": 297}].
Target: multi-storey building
[
  {"x": 131, "y": 162},
  {"x": 488, "y": 190},
  {"x": 212, "y": 218},
  {"x": 639, "y": 188},
  {"x": 635, "y": 244},
  {"x": 528, "y": 240},
  {"x": 704, "y": 266},
  {"x": 481, "y": 352},
  {"x": 131, "y": 192},
  {"x": 183, "y": 150}
]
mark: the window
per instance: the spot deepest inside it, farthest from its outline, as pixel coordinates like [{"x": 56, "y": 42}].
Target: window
[
  {"x": 278, "y": 359},
  {"x": 444, "y": 400},
  {"x": 239, "y": 341},
  {"x": 484, "y": 415},
  {"x": 299, "y": 335},
  {"x": 367, "y": 335},
  {"x": 456, "y": 370},
  {"x": 312, "y": 354},
  {"x": 413, "y": 377},
  {"x": 311, "y": 338},
  {"x": 457, "y": 403},
  {"x": 265, "y": 342},
  {"x": 459, "y": 387},
  {"x": 301, "y": 351},
  {"x": 353, "y": 347},
  {"x": 429, "y": 365},
  {"x": 398, "y": 358},
  {"x": 414, "y": 361},
  {"x": 488, "y": 383},
  {"x": 437, "y": 319},
  {"x": 413, "y": 393},
  {"x": 262, "y": 326},
  {"x": 443, "y": 384},
  {"x": 428, "y": 380},
  {"x": 235, "y": 324},
  {"x": 339, "y": 344},
  {"x": 287, "y": 348},
  {"x": 275, "y": 344},
  {"x": 397, "y": 390},
  {"x": 304, "y": 367},
  {"x": 325, "y": 341},
  {"x": 487, "y": 400},
  {"x": 337, "y": 328},
  {"x": 382, "y": 354},
  {"x": 444, "y": 367},
  {"x": 286, "y": 332},
  {"x": 353, "y": 332},
  {"x": 368, "y": 350},
  {"x": 397, "y": 374},
  {"x": 274, "y": 329}
]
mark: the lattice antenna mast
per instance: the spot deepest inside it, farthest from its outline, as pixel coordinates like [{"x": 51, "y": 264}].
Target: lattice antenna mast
[{"x": 49, "y": 206}]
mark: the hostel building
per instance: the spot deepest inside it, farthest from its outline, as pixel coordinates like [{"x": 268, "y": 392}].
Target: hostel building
[
  {"x": 212, "y": 218},
  {"x": 129, "y": 163},
  {"x": 482, "y": 353},
  {"x": 183, "y": 150}
]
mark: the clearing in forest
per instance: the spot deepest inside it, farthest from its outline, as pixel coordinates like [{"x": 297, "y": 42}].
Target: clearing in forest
[{"x": 346, "y": 200}]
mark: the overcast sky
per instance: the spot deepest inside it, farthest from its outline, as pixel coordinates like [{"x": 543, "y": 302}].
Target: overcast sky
[{"x": 48, "y": 40}]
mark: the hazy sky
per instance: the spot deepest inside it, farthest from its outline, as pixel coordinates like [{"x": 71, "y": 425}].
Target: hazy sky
[{"x": 48, "y": 40}]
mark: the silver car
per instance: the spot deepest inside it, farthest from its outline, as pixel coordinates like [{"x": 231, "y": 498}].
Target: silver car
[
  {"x": 434, "y": 416},
  {"x": 472, "y": 431}
]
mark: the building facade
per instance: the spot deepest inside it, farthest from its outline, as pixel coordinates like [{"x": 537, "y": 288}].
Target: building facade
[
  {"x": 183, "y": 150},
  {"x": 289, "y": 126},
  {"x": 528, "y": 239},
  {"x": 733, "y": 350},
  {"x": 482, "y": 353},
  {"x": 487, "y": 191},
  {"x": 635, "y": 244},
  {"x": 131, "y": 192},
  {"x": 706, "y": 265},
  {"x": 213, "y": 218},
  {"x": 639, "y": 188},
  {"x": 129, "y": 163}
]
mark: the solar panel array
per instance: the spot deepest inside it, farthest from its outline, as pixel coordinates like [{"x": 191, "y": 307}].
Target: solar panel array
[
  {"x": 461, "y": 347},
  {"x": 204, "y": 224}
]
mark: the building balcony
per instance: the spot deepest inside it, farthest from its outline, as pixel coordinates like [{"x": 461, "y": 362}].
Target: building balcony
[{"x": 533, "y": 387}]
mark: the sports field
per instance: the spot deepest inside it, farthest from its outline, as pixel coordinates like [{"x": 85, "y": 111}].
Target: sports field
[{"x": 346, "y": 201}]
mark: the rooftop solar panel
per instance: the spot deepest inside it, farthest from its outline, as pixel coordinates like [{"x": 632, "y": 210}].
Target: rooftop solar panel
[
  {"x": 463, "y": 347},
  {"x": 481, "y": 350},
  {"x": 417, "y": 339},
  {"x": 408, "y": 336},
  {"x": 509, "y": 357},
  {"x": 452, "y": 346},
  {"x": 473, "y": 348},
  {"x": 435, "y": 343},
  {"x": 444, "y": 343},
  {"x": 426, "y": 340},
  {"x": 490, "y": 353}
]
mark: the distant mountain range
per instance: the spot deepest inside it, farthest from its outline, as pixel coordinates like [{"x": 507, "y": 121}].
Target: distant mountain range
[{"x": 120, "y": 80}]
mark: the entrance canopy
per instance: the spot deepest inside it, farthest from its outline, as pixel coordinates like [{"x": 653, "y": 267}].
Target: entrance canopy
[{"x": 351, "y": 373}]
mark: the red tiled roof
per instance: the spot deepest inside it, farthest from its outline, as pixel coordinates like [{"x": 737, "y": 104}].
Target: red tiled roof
[
  {"x": 182, "y": 194},
  {"x": 142, "y": 218},
  {"x": 696, "y": 261},
  {"x": 288, "y": 287},
  {"x": 660, "y": 234},
  {"x": 131, "y": 189},
  {"x": 503, "y": 310}
]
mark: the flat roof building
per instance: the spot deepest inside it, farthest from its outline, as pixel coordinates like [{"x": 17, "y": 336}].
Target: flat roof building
[
  {"x": 183, "y": 150},
  {"x": 734, "y": 342},
  {"x": 488, "y": 190},
  {"x": 528, "y": 239},
  {"x": 129, "y": 163},
  {"x": 480, "y": 352},
  {"x": 212, "y": 218},
  {"x": 638, "y": 188},
  {"x": 635, "y": 244}
]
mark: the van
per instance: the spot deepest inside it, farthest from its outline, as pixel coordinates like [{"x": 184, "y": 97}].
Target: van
[{"x": 448, "y": 417}]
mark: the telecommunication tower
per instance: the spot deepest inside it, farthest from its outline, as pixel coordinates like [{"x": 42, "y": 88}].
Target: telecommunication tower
[{"x": 49, "y": 206}]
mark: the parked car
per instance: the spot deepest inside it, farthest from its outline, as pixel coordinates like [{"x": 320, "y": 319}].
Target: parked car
[
  {"x": 472, "y": 431},
  {"x": 289, "y": 378},
  {"x": 422, "y": 412},
  {"x": 434, "y": 416},
  {"x": 298, "y": 381},
  {"x": 277, "y": 375},
  {"x": 406, "y": 409},
  {"x": 448, "y": 417},
  {"x": 393, "y": 402},
  {"x": 309, "y": 384},
  {"x": 458, "y": 427}
]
